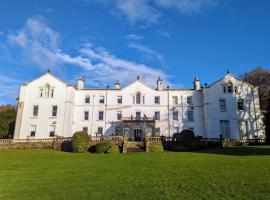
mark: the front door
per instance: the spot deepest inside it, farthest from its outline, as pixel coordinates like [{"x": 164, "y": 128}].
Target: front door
[{"x": 137, "y": 134}]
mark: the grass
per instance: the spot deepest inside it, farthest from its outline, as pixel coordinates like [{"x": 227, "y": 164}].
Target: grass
[{"x": 231, "y": 173}]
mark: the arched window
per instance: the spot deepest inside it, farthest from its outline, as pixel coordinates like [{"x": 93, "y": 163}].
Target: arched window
[{"x": 138, "y": 98}]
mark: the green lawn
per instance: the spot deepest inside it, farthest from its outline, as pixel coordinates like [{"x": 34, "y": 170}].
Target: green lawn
[{"x": 232, "y": 173}]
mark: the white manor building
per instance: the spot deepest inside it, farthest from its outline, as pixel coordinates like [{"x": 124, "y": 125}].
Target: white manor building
[{"x": 49, "y": 107}]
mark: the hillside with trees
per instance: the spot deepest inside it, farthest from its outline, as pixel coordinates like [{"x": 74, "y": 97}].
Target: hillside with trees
[{"x": 7, "y": 121}]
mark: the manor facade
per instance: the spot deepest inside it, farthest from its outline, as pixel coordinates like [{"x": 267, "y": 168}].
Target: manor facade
[{"x": 49, "y": 107}]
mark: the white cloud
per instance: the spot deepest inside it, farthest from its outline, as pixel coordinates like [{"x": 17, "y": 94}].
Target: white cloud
[
  {"x": 9, "y": 87},
  {"x": 148, "y": 52},
  {"x": 40, "y": 45},
  {"x": 134, "y": 37},
  {"x": 150, "y": 11}
]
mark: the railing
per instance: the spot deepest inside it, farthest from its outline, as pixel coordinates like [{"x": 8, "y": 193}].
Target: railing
[
  {"x": 253, "y": 141},
  {"x": 106, "y": 138},
  {"x": 154, "y": 139}
]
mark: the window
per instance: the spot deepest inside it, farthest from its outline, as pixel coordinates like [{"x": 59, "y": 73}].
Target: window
[
  {"x": 157, "y": 100},
  {"x": 35, "y": 111},
  {"x": 138, "y": 98},
  {"x": 190, "y": 116},
  {"x": 33, "y": 130},
  {"x": 119, "y": 115},
  {"x": 138, "y": 115},
  {"x": 119, "y": 99},
  {"x": 175, "y": 100},
  {"x": 157, "y": 115},
  {"x": 86, "y": 115},
  {"x": 175, "y": 115},
  {"x": 85, "y": 129},
  {"x": 87, "y": 99},
  {"x": 189, "y": 100},
  {"x": 52, "y": 130},
  {"x": 100, "y": 131},
  {"x": 222, "y": 105},
  {"x": 240, "y": 104},
  {"x": 101, "y": 99},
  {"x": 230, "y": 88},
  {"x": 225, "y": 128},
  {"x": 52, "y": 93},
  {"x": 54, "y": 111},
  {"x": 236, "y": 89},
  {"x": 41, "y": 93},
  {"x": 176, "y": 130},
  {"x": 143, "y": 99},
  {"x": 117, "y": 130},
  {"x": 224, "y": 89},
  {"x": 100, "y": 115},
  {"x": 157, "y": 132}
]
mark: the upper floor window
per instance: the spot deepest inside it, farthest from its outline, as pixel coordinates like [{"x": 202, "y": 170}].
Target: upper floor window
[
  {"x": 52, "y": 93},
  {"x": 41, "y": 93},
  {"x": 33, "y": 130},
  {"x": 100, "y": 115},
  {"x": 157, "y": 100},
  {"x": 138, "y": 98},
  {"x": 119, "y": 99},
  {"x": 190, "y": 115},
  {"x": 222, "y": 105},
  {"x": 101, "y": 99},
  {"x": 35, "y": 111},
  {"x": 236, "y": 89},
  {"x": 46, "y": 92},
  {"x": 52, "y": 130},
  {"x": 189, "y": 100},
  {"x": 240, "y": 104},
  {"x": 175, "y": 115},
  {"x": 86, "y": 115},
  {"x": 119, "y": 115},
  {"x": 87, "y": 99},
  {"x": 157, "y": 115},
  {"x": 228, "y": 88},
  {"x": 54, "y": 111},
  {"x": 175, "y": 100}
]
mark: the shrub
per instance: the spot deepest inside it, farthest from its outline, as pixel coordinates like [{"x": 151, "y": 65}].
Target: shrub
[
  {"x": 156, "y": 148},
  {"x": 178, "y": 147},
  {"x": 102, "y": 147},
  {"x": 114, "y": 149},
  {"x": 186, "y": 140},
  {"x": 80, "y": 142}
]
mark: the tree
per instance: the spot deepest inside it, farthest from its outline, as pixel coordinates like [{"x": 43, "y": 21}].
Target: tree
[
  {"x": 7, "y": 121},
  {"x": 260, "y": 77}
]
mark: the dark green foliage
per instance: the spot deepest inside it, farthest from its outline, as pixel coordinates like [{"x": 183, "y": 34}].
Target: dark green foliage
[
  {"x": 102, "y": 147},
  {"x": 186, "y": 140},
  {"x": 80, "y": 141},
  {"x": 114, "y": 149},
  {"x": 156, "y": 148},
  {"x": 7, "y": 121}
]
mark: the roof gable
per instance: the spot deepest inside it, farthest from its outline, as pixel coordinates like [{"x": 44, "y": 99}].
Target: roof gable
[{"x": 47, "y": 74}]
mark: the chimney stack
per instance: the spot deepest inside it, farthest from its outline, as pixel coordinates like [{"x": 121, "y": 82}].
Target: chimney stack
[
  {"x": 197, "y": 84},
  {"x": 80, "y": 83},
  {"x": 159, "y": 84},
  {"x": 117, "y": 84}
]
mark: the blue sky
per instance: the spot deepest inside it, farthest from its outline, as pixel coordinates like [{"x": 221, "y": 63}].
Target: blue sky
[{"x": 119, "y": 39}]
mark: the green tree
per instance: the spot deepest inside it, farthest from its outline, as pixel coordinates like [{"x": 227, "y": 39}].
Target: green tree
[
  {"x": 260, "y": 77},
  {"x": 7, "y": 121}
]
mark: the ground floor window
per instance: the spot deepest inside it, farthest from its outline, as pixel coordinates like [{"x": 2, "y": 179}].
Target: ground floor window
[
  {"x": 52, "y": 130},
  {"x": 100, "y": 131},
  {"x": 85, "y": 129},
  {"x": 225, "y": 128},
  {"x": 157, "y": 132},
  {"x": 33, "y": 130}
]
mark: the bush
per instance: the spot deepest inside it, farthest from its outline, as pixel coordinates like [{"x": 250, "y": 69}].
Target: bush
[
  {"x": 156, "y": 148},
  {"x": 178, "y": 147},
  {"x": 186, "y": 140},
  {"x": 114, "y": 149},
  {"x": 102, "y": 147},
  {"x": 80, "y": 142}
]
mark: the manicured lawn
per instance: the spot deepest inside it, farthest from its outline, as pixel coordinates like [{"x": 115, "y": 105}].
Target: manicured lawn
[{"x": 233, "y": 173}]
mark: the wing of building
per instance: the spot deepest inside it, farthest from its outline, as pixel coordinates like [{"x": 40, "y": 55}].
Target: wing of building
[{"x": 49, "y": 107}]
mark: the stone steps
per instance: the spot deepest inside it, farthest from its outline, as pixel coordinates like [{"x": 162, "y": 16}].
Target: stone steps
[{"x": 135, "y": 146}]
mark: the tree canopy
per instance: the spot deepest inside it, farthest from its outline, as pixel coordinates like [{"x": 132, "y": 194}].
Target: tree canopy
[{"x": 7, "y": 121}]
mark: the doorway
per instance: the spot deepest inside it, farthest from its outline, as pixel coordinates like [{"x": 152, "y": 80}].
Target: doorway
[{"x": 137, "y": 134}]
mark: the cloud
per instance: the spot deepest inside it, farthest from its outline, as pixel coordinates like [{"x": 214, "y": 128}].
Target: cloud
[
  {"x": 148, "y": 52},
  {"x": 134, "y": 37},
  {"x": 150, "y": 11},
  {"x": 40, "y": 45},
  {"x": 9, "y": 87}
]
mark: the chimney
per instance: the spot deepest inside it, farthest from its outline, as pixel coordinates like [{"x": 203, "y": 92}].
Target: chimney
[
  {"x": 197, "y": 84},
  {"x": 117, "y": 84},
  {"x": 80, "y": 83},
  {"x": 159, "y": 83}
]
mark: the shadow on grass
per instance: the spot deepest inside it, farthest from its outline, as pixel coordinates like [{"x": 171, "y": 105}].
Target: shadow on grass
[{"x": 239, "y": 151}]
